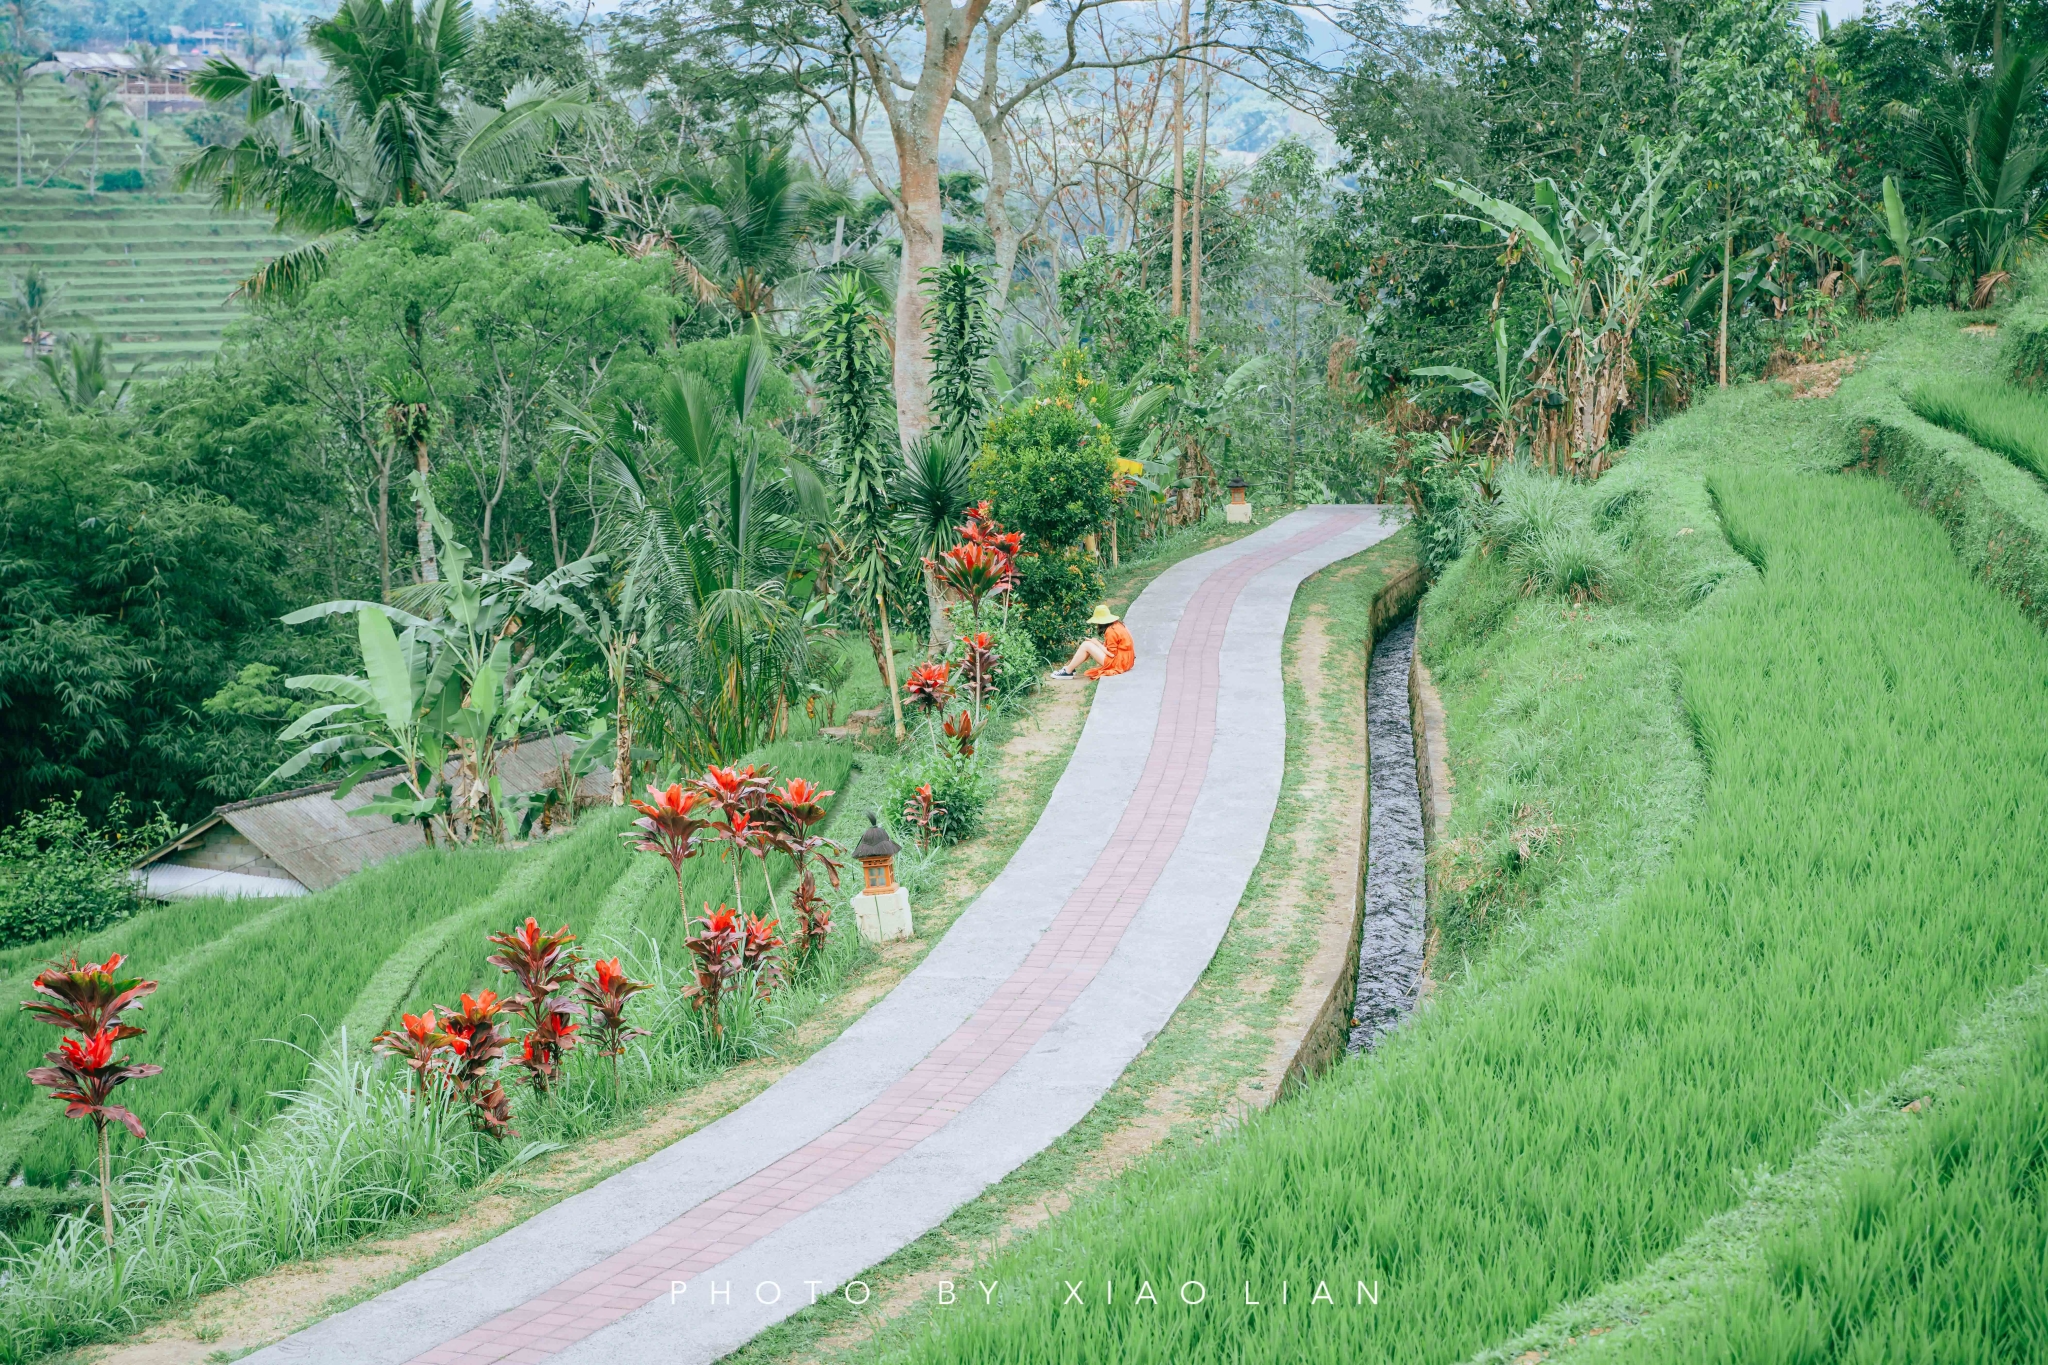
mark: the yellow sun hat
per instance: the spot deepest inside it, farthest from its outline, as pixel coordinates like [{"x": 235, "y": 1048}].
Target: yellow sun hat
[{"x": 1103, "y": 616}]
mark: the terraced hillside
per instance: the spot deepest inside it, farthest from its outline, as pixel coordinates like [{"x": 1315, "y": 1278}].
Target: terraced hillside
[{"x": 150, "y": 270}]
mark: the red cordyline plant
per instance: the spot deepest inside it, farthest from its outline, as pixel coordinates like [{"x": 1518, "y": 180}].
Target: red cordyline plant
[
  {"x": 476, "y": 1040},
  {"x": 961, "y": 731},
  {"x": 668, "y": 826},
  {"x": 978, "y": 663},
  {"x": 738, "y": 794},
  {"x": 929, "y": 686},
  {"x": 604, "y": 998},
  {"x": 974, "y": 572},
  {"x": 719, "y": 947},
  {"x": 922, "y": 813},
  {"x": 813, "y": 915},
  {"x": 757, "y": 953},
  {"x": 545, "y": 966},
  {"x": 88, "y": 999},
  {"x": 424, "y": 1047}
]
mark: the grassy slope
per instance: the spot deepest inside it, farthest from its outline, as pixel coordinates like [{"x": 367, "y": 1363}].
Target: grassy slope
[
  {"x": 236, "y": 1027},
  {"x": 1612, "y": 1072}
]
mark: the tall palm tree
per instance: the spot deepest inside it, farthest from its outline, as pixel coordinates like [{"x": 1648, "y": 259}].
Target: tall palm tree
[
  {"x": 1988, "y": 180},
  {"x": 721, "y": 539},
  {"x": 399, "y": 132},
  {"x": 99, "y": 99},
  {"x": 18, "y": 74},
  {"x": 743, "y": 216},
  {"x": 152, "y": 66}
]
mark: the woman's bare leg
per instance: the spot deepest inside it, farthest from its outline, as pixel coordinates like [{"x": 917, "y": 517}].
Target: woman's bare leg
[{"x": 1090, "y": 649}]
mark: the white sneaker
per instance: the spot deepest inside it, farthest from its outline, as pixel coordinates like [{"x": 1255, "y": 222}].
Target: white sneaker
[{"x": 1063, "y": 672}]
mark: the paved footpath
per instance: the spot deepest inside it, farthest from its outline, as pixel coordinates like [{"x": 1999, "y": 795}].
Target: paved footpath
[{"x": 1005, "y": 1035}]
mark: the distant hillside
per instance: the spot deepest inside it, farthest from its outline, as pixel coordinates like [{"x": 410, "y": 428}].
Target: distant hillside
[{"x": 150, "y": 270}]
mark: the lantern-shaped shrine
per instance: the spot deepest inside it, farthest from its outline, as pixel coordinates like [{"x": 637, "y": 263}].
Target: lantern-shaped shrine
[
  {"x": 882, "y": 909},
  {"x": 1240, "y": 508}
]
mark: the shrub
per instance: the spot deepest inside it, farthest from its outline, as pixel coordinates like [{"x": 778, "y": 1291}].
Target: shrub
[
  {"x": 59, "y": 877},
  {"x": 959, "y": 789},
  {"x": 1019, "y": 660},
  {"x": 1360, "y": 469},
  {"x": 2026, "y": 352},
  {"x": 114, "y": 182},
  {"x": 1529, "y": 507},
  {"x": 1046, "y": 465},
  {"x": 1056, "y": 591}
]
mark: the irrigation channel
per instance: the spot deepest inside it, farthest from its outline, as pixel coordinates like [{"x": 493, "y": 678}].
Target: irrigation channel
[{"x": 1390, "y": 934}]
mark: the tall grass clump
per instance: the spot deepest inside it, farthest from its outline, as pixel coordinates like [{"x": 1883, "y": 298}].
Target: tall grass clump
[
  {"x": 351, "y": 1152},
  {"x": 1997, "y": 416},
  {"x": 1543, "y": 528},
  {"x": 1862, "y": 872},
  {"x": 1940, "y": 1254}
]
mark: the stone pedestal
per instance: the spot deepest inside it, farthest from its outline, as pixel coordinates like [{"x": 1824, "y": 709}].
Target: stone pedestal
[
  {"x": 1237, "y": 512},
  {"x": 883, "y": 917}
]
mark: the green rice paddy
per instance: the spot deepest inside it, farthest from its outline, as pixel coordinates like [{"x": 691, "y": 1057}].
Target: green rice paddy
[
  {"x": 254, "y": 990},
  {"x": 1996, "y": 415}
]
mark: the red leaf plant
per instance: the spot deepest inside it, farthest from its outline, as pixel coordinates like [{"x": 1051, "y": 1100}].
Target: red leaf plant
[
  {"x": 739, "y": 794},
  {"x": 476, "y": 1040},
  {"x": 978, "y": 664},
  {"x": 981, "y": 528},
  {"x": 929, "y": 686},
  {"x": 961, "y": 732},
  {"x": 604, "y": 998},
  {"x": 666, "y": 826},
  {"x": 719, "y": 947},
  {"x": 545, "y": 965},
  {"x": 973, "y": 571},
  {"x": 757, "y": 953},
  {"x": 923, "y": 814},
  {"x": 813, "y": 916},
  {"x": 84, "y": 1073},
  {"x": 421, "y": 1045}
]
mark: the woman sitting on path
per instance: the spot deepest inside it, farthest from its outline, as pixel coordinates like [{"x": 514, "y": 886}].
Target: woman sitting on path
[{"x": 1114, "y": 653}]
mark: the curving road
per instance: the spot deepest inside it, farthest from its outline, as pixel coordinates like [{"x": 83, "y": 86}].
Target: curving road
[{"x": 1004, "y": 1036}]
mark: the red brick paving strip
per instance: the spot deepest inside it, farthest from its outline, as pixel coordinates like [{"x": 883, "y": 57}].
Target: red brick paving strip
[{"x": 1059, "y": 967}]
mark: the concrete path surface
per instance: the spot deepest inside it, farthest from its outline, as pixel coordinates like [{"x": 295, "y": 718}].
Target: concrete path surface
[{"x": 1005, "y": 1035}]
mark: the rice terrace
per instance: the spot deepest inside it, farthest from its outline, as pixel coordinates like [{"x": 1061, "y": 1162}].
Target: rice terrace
[{"x": 1100, "y": 681}]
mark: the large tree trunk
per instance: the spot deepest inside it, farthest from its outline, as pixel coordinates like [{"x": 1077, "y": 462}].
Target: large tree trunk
[
  {"x": 923, "y": 248},
  {"x": 1001, "y": 230},
  {"x": 1727, "y": 289}
]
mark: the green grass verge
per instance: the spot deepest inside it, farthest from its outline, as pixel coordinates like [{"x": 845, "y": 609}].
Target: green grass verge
[
  {"x": 1996, "y": 415},
  {"x": 1858, "y": 877}
]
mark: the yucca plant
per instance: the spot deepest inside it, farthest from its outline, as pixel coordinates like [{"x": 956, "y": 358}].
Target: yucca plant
[{"x": 88, "y": 999}]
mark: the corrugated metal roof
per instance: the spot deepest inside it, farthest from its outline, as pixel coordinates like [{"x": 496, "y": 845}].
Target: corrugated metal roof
[{"x": 315, "y": 838}]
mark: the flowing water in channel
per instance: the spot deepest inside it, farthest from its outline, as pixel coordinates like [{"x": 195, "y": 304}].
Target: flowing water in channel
[{"x": 1390, "y": 937}]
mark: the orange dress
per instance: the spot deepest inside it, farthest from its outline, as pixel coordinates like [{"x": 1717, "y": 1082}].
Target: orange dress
[{"x": 1123, "y": 653}]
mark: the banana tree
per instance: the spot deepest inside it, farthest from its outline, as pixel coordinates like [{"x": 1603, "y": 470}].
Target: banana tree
[
  {"x": 1504, "y": 395},
  {"x": 444, "y": 695},
  {"x": 1599, "y": 270}
]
